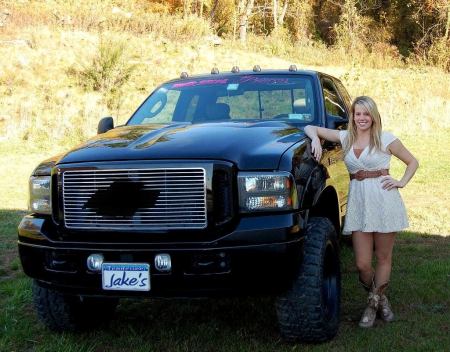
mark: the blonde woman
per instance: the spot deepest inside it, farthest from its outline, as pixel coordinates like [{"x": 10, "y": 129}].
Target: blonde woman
[{"x": 375, "y": 209}]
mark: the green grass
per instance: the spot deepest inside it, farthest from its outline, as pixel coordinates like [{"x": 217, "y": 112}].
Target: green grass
[{"x": 418, "y": 292}]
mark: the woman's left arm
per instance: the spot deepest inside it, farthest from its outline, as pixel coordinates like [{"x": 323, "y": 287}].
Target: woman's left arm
[{"x": 397, "y": 149}]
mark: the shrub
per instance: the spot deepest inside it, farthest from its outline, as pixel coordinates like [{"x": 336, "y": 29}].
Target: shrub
[
  {"x": 107, "y": 70},
  {"x": 439, "y": 55}
]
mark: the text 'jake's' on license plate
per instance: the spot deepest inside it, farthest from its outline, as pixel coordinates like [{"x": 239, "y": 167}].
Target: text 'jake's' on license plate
[{"x": 126, "y": 276}]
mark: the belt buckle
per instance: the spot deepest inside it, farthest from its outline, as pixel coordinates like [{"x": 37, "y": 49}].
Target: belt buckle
[{"x": 360, "y": 175}]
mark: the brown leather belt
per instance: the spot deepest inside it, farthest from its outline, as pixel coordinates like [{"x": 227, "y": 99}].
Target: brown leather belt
[{"x": 363, "y": 174}]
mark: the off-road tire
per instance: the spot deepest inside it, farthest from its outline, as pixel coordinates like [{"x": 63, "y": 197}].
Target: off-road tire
[
  {"x": 309, "y": 311},
  {"x": 63, "y": 312}
]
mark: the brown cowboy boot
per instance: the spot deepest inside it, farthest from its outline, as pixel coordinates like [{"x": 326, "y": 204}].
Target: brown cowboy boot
[
  {"x": 370, "y": 313},
  {"x": 384, "y": 306},
  {"x": 367, "y": 288}
]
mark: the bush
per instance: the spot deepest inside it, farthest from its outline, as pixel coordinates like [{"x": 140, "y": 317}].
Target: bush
[
  {"x": 108, "y": 70},
  {"x": 439, "y": 55}
]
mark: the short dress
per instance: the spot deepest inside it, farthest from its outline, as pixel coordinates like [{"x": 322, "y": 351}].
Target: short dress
[{"x": 369, "y": 207}]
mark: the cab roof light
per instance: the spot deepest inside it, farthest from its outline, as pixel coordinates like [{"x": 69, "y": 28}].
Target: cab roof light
[
  {"x": 235, "y": 69},
  {"x": 184, "y": 75},
  {"x": 292, "y": 68},
  {"x": 256, "y": 68},
  {"x": 215, "y": 71}
]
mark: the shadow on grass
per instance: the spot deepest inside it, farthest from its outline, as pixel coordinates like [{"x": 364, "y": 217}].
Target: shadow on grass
[
  {"x": 9, "y": 258},
  {"x": 418, "y": 292}
]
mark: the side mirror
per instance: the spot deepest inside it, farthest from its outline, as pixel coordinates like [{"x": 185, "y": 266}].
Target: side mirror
[
  {"x": 336, "y": 122},
  {"x": 341, "y": 124},
  {"x": 105, "y": 124}
]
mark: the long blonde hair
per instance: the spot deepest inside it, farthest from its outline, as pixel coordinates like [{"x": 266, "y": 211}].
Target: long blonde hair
[{"x": 375, "y": 130}]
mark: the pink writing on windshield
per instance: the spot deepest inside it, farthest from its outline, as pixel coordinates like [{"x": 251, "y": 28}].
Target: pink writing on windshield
[
  {"x": 255, "y": 79},
  {"x": 244, "y": 79},
  {"x": 213, "y": 81},
  {"x": 186, "y": 84},
  {"x": 200, "y": 83}
]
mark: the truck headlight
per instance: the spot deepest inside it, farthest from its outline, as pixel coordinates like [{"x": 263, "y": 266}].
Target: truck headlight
[
  {"x": 265, "y": 191},
  {"x": 39, "y": 201},
  {"x": 39, "y": 188}
]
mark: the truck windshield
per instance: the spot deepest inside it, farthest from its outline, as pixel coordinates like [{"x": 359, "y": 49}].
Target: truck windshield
[{"x": 262, "y": 97}]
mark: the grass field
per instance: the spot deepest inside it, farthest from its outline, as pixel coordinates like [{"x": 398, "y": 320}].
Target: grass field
[
  {"x": 49, "y": 114},
  {"x": 419, "y": 295}
]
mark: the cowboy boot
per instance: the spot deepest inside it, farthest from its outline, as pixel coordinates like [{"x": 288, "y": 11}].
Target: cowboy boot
[
  {"x": 370, "y": 313},
  {"x": 365, "y": 287},
  {"x": 384, "y": 306}
]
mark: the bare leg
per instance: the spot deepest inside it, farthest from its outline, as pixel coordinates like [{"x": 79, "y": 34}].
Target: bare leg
[
  {"x": 363, "y": 243},
  {"x": 384, "y": 244}
]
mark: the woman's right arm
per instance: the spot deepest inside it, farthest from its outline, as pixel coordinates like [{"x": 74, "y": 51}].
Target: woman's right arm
[{"x": 316, "y": 133}]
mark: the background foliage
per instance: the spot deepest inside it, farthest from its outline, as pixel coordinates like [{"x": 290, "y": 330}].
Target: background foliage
[{"x": 415, "y": 29}]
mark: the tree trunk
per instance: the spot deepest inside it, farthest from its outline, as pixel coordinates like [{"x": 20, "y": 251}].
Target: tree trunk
[
  {"x": 186, "y": 7},
  {"x": 283, "y": 12},
  {"x": 447, "y": 25},
  {"x": 244, "y": 14},
  {"x": 275, "y": 17},
  {"x": 213, "y": 11}
]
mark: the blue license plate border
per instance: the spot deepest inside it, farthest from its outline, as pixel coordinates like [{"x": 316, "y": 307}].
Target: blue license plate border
[{"x": 126, "y": 276}]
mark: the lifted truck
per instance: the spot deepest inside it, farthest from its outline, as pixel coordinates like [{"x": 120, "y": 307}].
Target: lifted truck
[{"x": 208, "y": 190}]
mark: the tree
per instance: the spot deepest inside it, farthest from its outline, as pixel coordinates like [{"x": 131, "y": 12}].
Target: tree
[
  {"x": 223, "y": 16},
  {"x": 351, "y": 29},
  {"x": 433, "y": 18},
  {"x": 299, "y": 19},
  {"x": 245, "y": 8},
  {"x": 283, "y": 12},
  {"x": 279, "y": 18}
]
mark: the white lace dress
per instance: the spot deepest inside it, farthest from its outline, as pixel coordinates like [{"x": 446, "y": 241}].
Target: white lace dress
[{"x": 371, "y": 208}]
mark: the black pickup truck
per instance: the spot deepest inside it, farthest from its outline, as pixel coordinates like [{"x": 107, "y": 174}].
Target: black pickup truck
[{"x": 208, "y": 190}]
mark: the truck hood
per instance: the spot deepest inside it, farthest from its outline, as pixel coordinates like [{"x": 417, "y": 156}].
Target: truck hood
[{"x": 249, "y": 145}]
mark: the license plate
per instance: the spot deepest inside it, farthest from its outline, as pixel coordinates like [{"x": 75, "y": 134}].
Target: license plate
[{"x": 126, "y": 276}]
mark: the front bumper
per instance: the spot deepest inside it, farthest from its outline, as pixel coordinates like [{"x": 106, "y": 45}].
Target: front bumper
[{"x": 261, "y": 255}]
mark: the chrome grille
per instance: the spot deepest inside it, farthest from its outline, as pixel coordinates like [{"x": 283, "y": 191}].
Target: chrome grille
[{"x": 154, "y": 199}]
